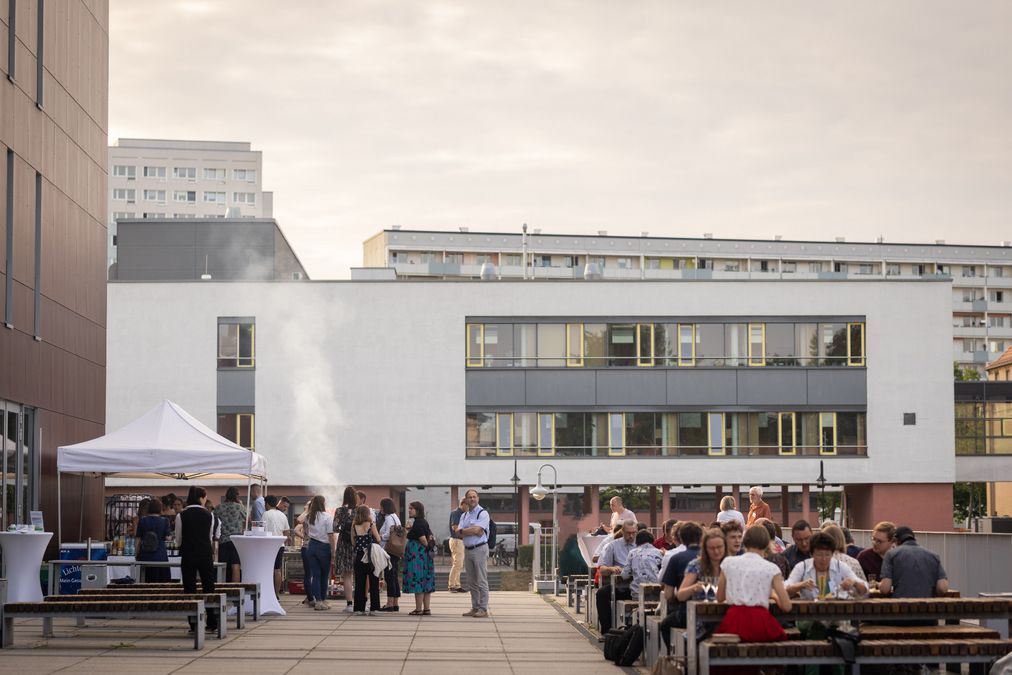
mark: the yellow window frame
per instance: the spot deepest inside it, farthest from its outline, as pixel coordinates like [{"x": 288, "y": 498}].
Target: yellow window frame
[
  {"x": 572, "y": 360},
  {"x": 851, "y": 360},
  {"x": 542, "y": 451},
  {"x": 499, "y": 450},
  {"x": 822, "y": 446},
  {"x": 689, "y": 360},
  {"x": 793, "y": 448},
  {"x": 612, "y": 450},
  {"x": 474, "y": 360},
  {"x": 709, "y": 434},
  {"x": 252, "y": 430},
  {"x": 640, "y": 360},
  {"x": 753, "y": 361}
]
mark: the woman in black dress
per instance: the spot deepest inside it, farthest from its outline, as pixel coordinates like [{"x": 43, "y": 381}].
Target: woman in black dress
[{"x": 152, "y": 529}]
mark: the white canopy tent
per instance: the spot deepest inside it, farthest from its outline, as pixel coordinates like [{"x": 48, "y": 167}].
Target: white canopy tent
[{"x": 165, "y": 442}]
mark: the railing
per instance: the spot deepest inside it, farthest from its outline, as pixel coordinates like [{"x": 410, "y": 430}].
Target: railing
[
  {"x": 673, "y": 451},
  {"x": 545, "y": 560},
  {"x": 663, "y": 361}
]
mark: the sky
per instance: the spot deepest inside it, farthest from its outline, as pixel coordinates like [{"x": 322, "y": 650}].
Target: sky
[{"x": 741, "y": 119}]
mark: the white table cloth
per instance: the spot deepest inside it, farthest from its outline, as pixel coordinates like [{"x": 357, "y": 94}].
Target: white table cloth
[
  {"x": 22, "y": 552},
  {"x": 256, "y": 555}
]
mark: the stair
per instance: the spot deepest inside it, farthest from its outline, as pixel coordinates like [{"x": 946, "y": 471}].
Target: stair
[{"x": 443, "y": 575}]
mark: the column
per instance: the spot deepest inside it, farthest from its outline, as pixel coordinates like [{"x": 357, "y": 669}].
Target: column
[
  {"x": 653, "y": 506},
  {"x": 737, "y": 500},
  {"x": 454, "y": 497},
  {"x": 719, "y": 492},
  {"x": 525, "y": 515},
  {"x": 806, "y": 511},
  {"x": 785, "y": 506},
  {"x": 665, "y": 503},
  {"x": 595, "y": 505}
]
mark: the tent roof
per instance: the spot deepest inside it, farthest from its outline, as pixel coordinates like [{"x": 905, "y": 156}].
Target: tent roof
[{"x": 165, "y": 442}]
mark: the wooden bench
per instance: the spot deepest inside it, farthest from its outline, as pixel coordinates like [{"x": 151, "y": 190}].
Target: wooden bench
[
  {"x": 252, "y": 590},
  {"x": 102, "y": 609},
  {"x": 574, "y": 584},
  {"x": 235, "y": 596},
  {"x": 212, "y": 601}
]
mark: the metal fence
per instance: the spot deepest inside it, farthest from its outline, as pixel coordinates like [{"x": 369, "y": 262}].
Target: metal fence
[
  {"x": 975, "y": 563},
  {"x": 545, "y": 561}
]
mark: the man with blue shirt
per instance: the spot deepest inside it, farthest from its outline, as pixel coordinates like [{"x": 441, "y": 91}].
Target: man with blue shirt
[
  {"x": 474, "y": 524},
  {"x": 611, "y": 563}
]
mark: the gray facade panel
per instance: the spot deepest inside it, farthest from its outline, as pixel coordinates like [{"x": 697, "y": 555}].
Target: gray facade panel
[
  {"x": 838, "y": 387},
  {"x": 495, "y": 387},
  {"x": 624, "y": 387},
  {"x": 560, "y": 388},
  {"x": 236, "y": 388},
  {"x": 702, "y": 387},
  {"x": 772, "y": 387}
]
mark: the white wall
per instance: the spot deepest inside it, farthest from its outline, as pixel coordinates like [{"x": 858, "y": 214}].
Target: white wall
[{"x": 363, "y": 382}]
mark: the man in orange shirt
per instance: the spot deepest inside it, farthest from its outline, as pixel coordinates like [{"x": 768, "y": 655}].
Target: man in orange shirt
[{"x": 758, "y": 508}]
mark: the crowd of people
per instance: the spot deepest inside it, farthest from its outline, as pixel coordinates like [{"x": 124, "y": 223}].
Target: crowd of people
[{"x": 743, "y": 560}]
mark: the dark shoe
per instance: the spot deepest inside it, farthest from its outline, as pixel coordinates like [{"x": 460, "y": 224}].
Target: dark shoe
[
  {"x": 390, "y": 609},
  {"x": 426, "y": 612},
  {"x": 415, "y": 612}
]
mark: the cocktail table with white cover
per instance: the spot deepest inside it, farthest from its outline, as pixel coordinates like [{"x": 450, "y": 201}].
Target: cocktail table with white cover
[
  {"x": 256, "y": 555},
  {"x": 22, "y": 552}
]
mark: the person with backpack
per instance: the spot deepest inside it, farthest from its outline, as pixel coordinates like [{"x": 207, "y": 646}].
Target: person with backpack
[
  {"x": 344, "y": 566},
  {"x": 476, "y": 529},
  {"x": 152, "y": 529}
]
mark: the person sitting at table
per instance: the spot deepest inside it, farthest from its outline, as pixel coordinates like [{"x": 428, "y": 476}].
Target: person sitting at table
[
  {"x": 882, "y": 539},
  {"x": 675, "y": 575},
  {"x": 610, "y": 563},
  {"x": 152, "y": 529},
  {"x": 834, "y": 531},
  {"x": 733, "y": 533},
  {"x": 823, "y": 574},
  {"x": 667, "y": 540},
  {"x": 643, "y": 563},
  {"x": 746, "y": 584}
]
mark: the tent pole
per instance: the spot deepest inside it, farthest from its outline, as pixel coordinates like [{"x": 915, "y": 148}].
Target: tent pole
[
  {"x": 249, "y": 489},
  {"x": 59, "y": 514},
  {"x": 80, "y": 507}
]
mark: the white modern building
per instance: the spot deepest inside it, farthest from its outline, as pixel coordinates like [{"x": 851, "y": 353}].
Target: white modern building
[
  {"x": 980, "y": 294},
  {"x": 158, "y": 179},
  {"x": 659, "y": 383}
]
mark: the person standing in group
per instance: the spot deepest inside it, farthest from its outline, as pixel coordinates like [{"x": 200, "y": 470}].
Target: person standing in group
[
  {"x": 729, "y": 511},
  {"x": 152, "y": 530},
  {"x": 757, "y": 507},
  {"x": 746, "y": 583},
  {"x": 456, "y": 548},
  {"x": 344, "y": 519},
  {"x": 257, "y": 504},
  {"x": 232, "y": 515},
  {"x": 302, "y": 541},
  {"x": 390, "y": 574},
  {"x": 365, "y": 533},
  {"x": 276, "y": 525},
  {"x": 194, "y": 536},
  {"x": 320, "y": 530},
  {"x": 419, "y": 571},
  {"x": 474, "y": 527}
]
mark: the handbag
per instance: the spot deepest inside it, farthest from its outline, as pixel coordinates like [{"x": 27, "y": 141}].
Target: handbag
[{"x": 397, "y": 542}]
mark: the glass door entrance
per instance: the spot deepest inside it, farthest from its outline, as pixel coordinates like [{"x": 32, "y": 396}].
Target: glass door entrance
[{"x": 19, "y": 465}]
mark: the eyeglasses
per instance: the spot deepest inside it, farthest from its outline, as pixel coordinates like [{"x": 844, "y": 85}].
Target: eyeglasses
[{"x": 879, "y": 541}]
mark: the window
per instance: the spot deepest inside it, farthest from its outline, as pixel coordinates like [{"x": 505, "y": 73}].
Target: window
[
  {"x": 996, "y": 321},
  {"x": 186, "y": 172},
  {"x": 497, "y": 341},
  {"x": 735, "y": 344},
  {"x": 732, "y": 266},
  {"x": 855, "y": 344},
  {"x": 806, "y": 343},
  {"x": 833, "y": 344},
  {"x": 154, "y": 214},
  {"x": 183, "y": 216},
  {"x": 865, "y": 268},
  {"x": 574, "y": 344},
  {"x": 622, "y": 344},
  {"x": 480, "y": 432},
  {"x": 779, "y": 345},
  {"x": 154, "y": 172},
  {"x": 789, "y": 267},
  {"x": 616, "y": 437},
  {"x": 827, "y": 433},
  {"x": 123, "y": 215},
  {"x": 757, "y": 344},
  {"x": 969, "y": 270},
  {"x": 815, "y": 266},
  {"x": 525, "y": 433},
  {"x": 238, "y": 428},
  {"x": 920, "y": 269},
  {"x": 715, "y": 434},
  {"x": 214, "y": 197},
  {"x": 686, "y": 344},
  {"x": 595, "y": 345},
  {"x": 546, "y": 434},
  {"x": 693, "y": 437},
  {"x": 154, "y": 195},
  {"x": 214, "y": 174},
  {"x": 941, "y": 269},
  {"x": 624, "y": 263},
  {"x": 840, "y": 267},
  {"x": 453, "y": 258},
  {"x": 236, "y": 344},
  {"x": 892, "y": 270},
  {"x": 996, "y": 296},
  {"x": 248, "y": 198},
  {"x": 542, "y": 261},
  {"x": 475, "y": 356},
  {"x": 124, "y": 171},
  {"x": 189, "y": 196},
  {"x": 511, "y": 260},
  {"x": 788, "y": 433},
  {"x": 709, "y": 345},
  {"x": 504, "y": 435},
  {"x": 248, "y": 175},
  {"x": 997, "y": 271},
  {"x": 551, "y": 345},
  {"x": 525, "y": 345},
  {"x": 124, "y": 195},
  {"x": 644, "y": 344}
]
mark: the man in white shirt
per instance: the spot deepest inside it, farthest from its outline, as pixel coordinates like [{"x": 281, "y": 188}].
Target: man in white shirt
[
  {"x": 619, "y": 514},
  {"x": 276, "y": 525}
]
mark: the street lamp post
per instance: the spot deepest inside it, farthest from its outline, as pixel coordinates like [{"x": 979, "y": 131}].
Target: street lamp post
[
  {"x": 516, "y": 513},
  {"x": 539, "y": 492},
  {"x": 820, "y": 483}
]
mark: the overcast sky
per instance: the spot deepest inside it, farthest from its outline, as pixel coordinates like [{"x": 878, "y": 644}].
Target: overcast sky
[{"x": 744, "y": 119}]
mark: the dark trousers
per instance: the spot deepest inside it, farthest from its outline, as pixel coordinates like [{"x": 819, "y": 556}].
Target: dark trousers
[
  {"x": 622, "y": 592},
  {"x": 319, "y": 562},
  {"x": 188, "y": 570},
  {"x": 390, "y": 575},
  {"x": 307, "y": 573},
  {"x": 363, "y": 572},
  {"x": 674, "y": 619}
]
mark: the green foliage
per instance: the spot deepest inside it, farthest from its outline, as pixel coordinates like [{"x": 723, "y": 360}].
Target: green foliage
[
  {"x": 827, "y": 505},
  {"x": 636, "y": 498},
  {"x": 525, "y": 555},
  {"x": 967, "y": 374},
  {"x": 962, "y": 494}
]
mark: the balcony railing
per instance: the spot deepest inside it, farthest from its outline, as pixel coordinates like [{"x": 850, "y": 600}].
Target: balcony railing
[{"x": 654, "y": 451}]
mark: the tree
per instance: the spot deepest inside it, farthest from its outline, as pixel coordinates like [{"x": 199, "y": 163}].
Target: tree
[
  {"x": 634, "y": 497},
  {"x": 968, "y": 501},
  {"x": 967, "y": 374}
]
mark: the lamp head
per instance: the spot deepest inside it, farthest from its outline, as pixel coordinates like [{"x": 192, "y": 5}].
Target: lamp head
[{"x": 539, "y": 491}]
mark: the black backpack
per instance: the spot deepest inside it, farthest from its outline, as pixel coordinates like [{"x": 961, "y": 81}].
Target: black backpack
[
  {"x": 149, "y": 542},
  {"x": 491, "y": 531},
  {"x": 614, "y": 643},
  {"x": 633, "y": 640}
]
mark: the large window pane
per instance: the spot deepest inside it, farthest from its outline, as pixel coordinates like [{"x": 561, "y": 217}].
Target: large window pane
[
  {"x": 574, "y": 344},
  {"x": 474, "y": 344},
  {"x": 666, "y": 343},
  {"x": 716, "y": 433},
  {"x": 808, "y": 433},
  {"x": 806, "y": 340},
  {"x": 827, "y": 433},
  {"x": 686, "y": 344},
  {"x": 855, "y": 344},
  {"x": 616, "y": 434},
  {"x": 787, "y": 433},
  {"x": 551, "y": 345},
  {"x": 736, "y": 430},
  {"x": 833, "y": 344},
  {"x": 504, "y": 434},
  {"x": 692, "y": 433},
  {"x": 525, "y": 345},
  {"x": 525, "y": 433},
  {"x": 546, "y": 434},
  {"x": 780, "y": 347},
  {"x": 709, "y": 344},
  {"x": 622, "y": 344},
  {"x": 640, "y": 432},
  {"x": 595, "y": 345},
  {"x": 597, "y": 430},
  {"x": 735, "y": 344},
  {"x": 571, "y": 434},
  {"x": 498, "y": 345},
  {"x": 850, "y": 433},
  {"x": 480, "y": 434},
  {"x": 757, "y": 344},
  {"x": 645, "y": 344},
  {"x": 767, "y": 433},
  {"x": 668, "y": 433}
]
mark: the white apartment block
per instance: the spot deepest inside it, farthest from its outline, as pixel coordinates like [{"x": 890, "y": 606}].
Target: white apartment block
[
  {"x": 981, "y": 275},
  {"x": 155, "y": 178}
]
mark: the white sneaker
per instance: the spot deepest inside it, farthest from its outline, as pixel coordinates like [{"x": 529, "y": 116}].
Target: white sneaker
[{"x": 349, "y": 609}]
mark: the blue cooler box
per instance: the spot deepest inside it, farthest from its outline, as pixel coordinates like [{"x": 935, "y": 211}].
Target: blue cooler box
[{"x": 70, "y": 575}]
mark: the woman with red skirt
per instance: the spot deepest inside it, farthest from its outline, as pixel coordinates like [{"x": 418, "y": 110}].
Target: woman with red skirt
[{"x": 747, "y": 583}]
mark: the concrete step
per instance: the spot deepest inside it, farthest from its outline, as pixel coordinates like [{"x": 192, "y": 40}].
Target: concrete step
[{"x": 494, "y": 580}]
